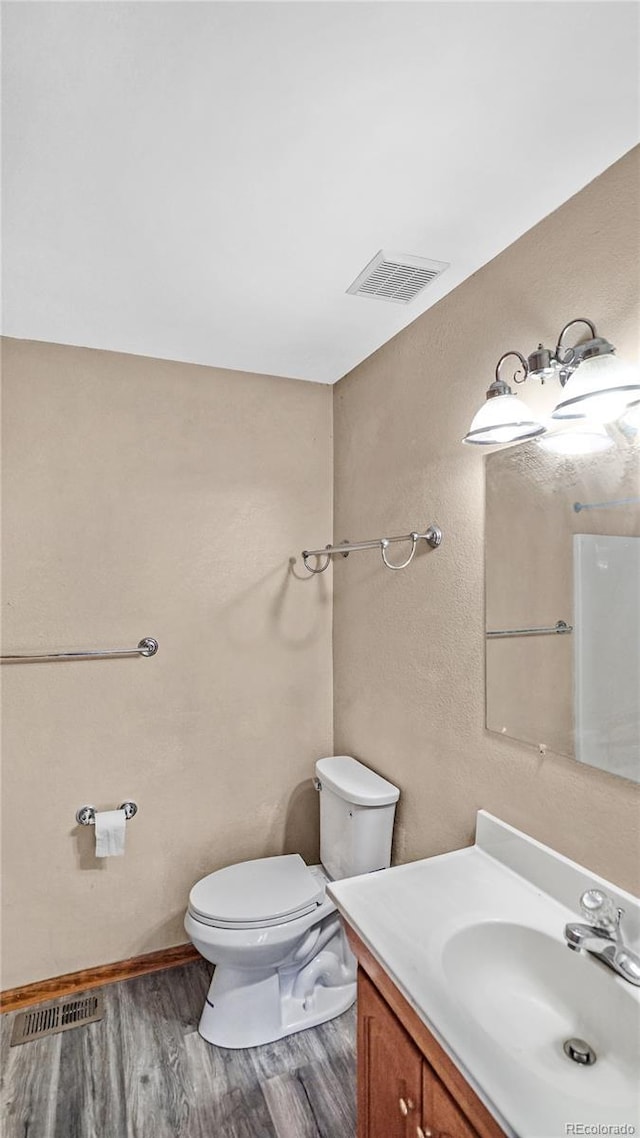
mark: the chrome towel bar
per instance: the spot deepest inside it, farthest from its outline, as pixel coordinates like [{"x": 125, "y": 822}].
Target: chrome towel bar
[
  {"x": 147, "y": 647},
  {"x": 560, "y": 628},
  {"x": 432, "y": 536},
  {"x": 578, "y": 506}
]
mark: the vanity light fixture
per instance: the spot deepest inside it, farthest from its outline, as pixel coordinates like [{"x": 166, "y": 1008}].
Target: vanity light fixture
[
  {"x": 504, "y": 418},
  {"x": 597, "y": 388},
  {"x": 597, "y": 385}
]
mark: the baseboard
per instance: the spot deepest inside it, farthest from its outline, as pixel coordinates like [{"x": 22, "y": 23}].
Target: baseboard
[{"x": 14, "y": 998}]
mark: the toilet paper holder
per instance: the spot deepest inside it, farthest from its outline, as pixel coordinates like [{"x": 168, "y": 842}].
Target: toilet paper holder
[{"x": 86, "y": 815}]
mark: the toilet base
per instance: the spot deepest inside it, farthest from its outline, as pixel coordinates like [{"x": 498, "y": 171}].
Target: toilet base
[{"x": 248, "y": 1008}]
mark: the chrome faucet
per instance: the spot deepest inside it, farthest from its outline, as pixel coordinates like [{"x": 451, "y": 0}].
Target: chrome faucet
[{"x": 602, "y": 936}]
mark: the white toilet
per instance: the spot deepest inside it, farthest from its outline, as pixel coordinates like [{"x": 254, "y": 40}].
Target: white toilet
[{"x": 282, "y": 959}]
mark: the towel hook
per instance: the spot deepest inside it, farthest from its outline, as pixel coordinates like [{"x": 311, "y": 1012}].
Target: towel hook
[
  {"x": 383, "y": 548},
  {"x": 318, "y": 569}
]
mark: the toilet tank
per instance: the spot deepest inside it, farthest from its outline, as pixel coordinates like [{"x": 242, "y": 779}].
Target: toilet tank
[{"x": 357, "y": 809}]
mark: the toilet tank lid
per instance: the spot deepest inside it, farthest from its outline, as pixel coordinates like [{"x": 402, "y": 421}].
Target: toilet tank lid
[{"x": 354, "y": 782}]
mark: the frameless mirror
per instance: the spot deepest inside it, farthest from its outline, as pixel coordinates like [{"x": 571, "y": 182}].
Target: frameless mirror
[{"x": 563, "y": 600}]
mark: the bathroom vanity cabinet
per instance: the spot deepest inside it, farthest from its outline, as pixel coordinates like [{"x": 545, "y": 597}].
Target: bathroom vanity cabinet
[{"x": 407, "y": 1086}]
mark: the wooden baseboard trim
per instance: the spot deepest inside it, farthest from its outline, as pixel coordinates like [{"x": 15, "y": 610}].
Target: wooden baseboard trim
[{"x": 13, "y": 998}]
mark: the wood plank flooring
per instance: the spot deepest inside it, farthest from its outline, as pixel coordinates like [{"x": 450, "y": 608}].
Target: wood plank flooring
[{"x": 144, "y": 1072}]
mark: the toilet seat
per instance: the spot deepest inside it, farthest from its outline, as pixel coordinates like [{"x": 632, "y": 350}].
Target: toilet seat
[{"x": 257, "y": 894}]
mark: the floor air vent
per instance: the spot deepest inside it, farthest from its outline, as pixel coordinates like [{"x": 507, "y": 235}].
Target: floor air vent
[
  {"x": 397, "y": 277},
  {"x": 52, "y": 1018}
]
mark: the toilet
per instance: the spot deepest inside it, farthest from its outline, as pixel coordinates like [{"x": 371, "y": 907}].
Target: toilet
[{"x": 282, "y": 959}]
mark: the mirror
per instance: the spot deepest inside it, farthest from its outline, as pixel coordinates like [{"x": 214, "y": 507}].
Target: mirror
[{"x": 563, "y": 545}]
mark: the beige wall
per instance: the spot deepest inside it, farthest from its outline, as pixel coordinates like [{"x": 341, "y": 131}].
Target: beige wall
[
  {"x": 409, "y": 647},
  {"x": 151, "y": 498}
]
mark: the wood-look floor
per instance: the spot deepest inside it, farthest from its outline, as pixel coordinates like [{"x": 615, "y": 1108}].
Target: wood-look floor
[{"x": 144, "y": 1072}]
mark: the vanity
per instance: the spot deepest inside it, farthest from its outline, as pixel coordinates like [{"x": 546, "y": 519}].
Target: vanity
[{"x": 472, "y": 1011}]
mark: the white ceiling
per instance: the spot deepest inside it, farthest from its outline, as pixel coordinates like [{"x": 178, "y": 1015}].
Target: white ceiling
[{"x": 203, "y": 181}]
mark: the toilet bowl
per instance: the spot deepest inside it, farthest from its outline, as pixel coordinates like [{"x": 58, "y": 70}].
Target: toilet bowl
[
  {"x": 282, "y": 959},
  {"x": 263, "y": 987}
]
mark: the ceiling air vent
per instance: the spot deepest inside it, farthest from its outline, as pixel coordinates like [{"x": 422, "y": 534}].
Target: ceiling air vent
[{"x": 396, "y": 276}]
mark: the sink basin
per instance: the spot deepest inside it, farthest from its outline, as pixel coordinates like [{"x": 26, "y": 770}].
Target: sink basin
[{"x": 529, "y": 993}]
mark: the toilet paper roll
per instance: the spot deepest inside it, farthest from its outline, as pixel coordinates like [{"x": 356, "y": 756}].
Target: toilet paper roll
[{"x": 110, "y": 832}]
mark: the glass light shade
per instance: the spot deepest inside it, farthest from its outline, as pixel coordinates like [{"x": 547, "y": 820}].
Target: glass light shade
[
  {"x": 575, "y": 440},
  {"x": 599, "y": 389},
  {"x": 503, "y": 419}
]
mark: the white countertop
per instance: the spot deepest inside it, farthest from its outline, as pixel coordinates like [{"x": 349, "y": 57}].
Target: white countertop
[{"x": 407, "y": 917}]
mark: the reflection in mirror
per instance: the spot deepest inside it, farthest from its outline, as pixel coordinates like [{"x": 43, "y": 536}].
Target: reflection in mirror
[{"x": 563, "y": 545}]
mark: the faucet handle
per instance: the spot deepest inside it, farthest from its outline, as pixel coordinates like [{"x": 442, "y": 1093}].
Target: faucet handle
[{"x": 600, "y": 910}]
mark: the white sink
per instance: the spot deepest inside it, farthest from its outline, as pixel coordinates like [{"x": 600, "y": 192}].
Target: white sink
[
  {"x": 474, "y": 941},
  {"x": 529, "y": 993}
]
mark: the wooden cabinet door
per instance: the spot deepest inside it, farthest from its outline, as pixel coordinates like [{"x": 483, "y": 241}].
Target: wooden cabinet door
[
  {"x": 389, "y": 1070},
  {"x": 441, "y": 1117}
]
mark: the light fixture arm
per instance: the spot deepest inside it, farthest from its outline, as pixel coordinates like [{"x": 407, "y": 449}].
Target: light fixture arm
[
  {"x": 505, "y": 389},
  {"x": 586, "y": 349},
  {"x": 578, "y": 320}
]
